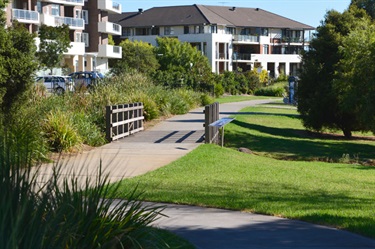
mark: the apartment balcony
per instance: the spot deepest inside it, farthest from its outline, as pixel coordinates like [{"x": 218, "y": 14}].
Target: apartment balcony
[
  {"x": 25, "y": 16},
  {"x": 245, "y": 39},
  {"x": 109, "y": 28},
  {"x": 241, "y": 57},
  {"x": 110, "y": 6},
  {"x": 297, "y": 40},
  {"x": 77, "y": 48},
  {"x": 109, "y": 51},
  {"x": 67, "y": 2},
  {"x": 73, "y": 23}
]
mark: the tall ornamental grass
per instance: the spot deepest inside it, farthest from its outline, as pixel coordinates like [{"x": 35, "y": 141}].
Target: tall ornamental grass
[
  {"x": 69, "y": 121},
  {"x": 58, "y": 212}
]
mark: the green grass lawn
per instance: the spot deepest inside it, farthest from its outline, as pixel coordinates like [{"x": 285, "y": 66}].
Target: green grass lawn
[
  {"x": 238, "y": 98},
  {"x": 339, "y": 195}
]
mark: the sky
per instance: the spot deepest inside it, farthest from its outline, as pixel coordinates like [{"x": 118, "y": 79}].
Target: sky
[{"x": 310, "y": 12}]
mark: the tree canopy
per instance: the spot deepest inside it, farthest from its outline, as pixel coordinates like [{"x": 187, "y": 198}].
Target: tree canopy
[
  {"x": 320, "y": 90},
  {"x": 182, "y": 64},
  {"x": 137, "y": 56},
  {"x": 54, "y": 42}
]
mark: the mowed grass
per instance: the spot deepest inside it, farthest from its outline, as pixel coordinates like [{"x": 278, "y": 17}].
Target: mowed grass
[
  {"x": 275, "y": 130},
  {"x": 333, "y": 194},
  {"x": 239, "y": 98}
]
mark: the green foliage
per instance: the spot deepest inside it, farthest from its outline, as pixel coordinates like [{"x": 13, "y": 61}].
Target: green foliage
[
  {"x": 60, "y": 131},
  {"x": 277, "y": 90},
  {"x": 138, "y": 56},
  {"x": 367, "y": 5},
  {"x": 17, "y": 65},
  {"x": 54, "y": 42},
  {"x": 354, "y": 81},
  {"x": 65, "y": 212},
  {"x": 182, "y": 65},
  {"x": 318, "y": 98},
  {"x": 237, "y": 83}
]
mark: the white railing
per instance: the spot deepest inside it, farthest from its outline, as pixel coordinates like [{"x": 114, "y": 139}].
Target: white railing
[
  {"x": 67, "y": 2},
  {"x": 73, "y": 23},
  {"x": 27, "y": 16},
  {"x": 109, "y": 27},
  {"x": 246, "y": 38}
]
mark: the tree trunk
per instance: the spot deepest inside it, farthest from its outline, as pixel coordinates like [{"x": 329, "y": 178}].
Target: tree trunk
[{"x": 347, "y": 133}]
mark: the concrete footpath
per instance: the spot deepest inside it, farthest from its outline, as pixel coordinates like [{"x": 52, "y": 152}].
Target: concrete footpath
[{"x": 206, "y": 228}]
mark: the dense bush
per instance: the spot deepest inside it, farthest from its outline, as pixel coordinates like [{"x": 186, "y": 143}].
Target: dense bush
[{"x": 277, "y": 90}]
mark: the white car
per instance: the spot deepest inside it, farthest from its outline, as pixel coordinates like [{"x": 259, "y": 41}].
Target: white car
[{"x": 57, "y": 84}]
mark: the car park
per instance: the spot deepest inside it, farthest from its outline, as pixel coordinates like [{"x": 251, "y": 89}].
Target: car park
[{"x": 56, "y": 84}]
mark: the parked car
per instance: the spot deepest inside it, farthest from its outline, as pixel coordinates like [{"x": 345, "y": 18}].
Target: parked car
[
  {"x": 56, "y": 83},
  {"x": 86, "y": 78}
]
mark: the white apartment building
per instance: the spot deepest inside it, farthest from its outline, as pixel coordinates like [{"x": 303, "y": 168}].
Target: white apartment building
[
  {"x": 231, "y": 37},
  {"x": 88, "y": 23}
]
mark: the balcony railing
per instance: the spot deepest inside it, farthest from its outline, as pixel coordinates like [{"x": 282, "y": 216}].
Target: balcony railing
[
  {"x": 246, "y": 38},
  {"x": 25, "y": 16},
  {"x": 109, "y": 28},
  {"x": 109, "y": 51},
  {"x": 241, "y": 57},
  {"x": 73, "y": 23},
  {"x": 67, "y": 2},
  {"x": 109, "y": 6},
  {"x": 292, "y": 40}
]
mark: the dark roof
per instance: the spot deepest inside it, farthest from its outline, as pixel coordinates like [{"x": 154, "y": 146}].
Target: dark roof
[
  {"x": 163, "y": 16},
  {"x": 200, "y": 14}
]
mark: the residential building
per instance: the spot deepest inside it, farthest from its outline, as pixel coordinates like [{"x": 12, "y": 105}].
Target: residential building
[
  {"x": 232, "y": 38},
  {"x": 88, "y": 23}
]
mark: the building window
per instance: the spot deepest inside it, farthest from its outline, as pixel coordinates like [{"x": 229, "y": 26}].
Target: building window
[
  {"x": 230, "y": 30},
  {"x": 264, "y": 31},
  {"x": 55, "y": 9},
  {"x": 78, "y": 14},
  {"x": 85, "y": 16},
  {"x": 168, "y": 30},
  {"x": 265, "y": 49},
  {"x": 85, "y": 38},
  {"x": 214, "y": 29},
  {"x": 126, "y": 32},
  {"x": 78, "y": 37},
  {"x": 39, "y": 7},
  {"x": 198, "y": 29},
  {"x": 186, "y": 30}
]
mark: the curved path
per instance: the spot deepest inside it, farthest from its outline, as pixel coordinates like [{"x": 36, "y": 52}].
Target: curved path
[{"x": 205, "y": 227}]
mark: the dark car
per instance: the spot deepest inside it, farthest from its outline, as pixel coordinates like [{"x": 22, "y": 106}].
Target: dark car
[{"x": 86, "y": 78}]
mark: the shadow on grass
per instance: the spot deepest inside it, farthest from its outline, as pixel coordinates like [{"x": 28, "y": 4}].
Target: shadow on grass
[{"x": 295, "y": 144}]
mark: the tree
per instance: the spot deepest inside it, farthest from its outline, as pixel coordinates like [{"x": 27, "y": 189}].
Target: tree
[
  {"x": 137, "y": 56},
  {"x": 367, "y": 5},
  {"x": 318, "y": 97},
  {"x": 187, "y": 65},
  {"x": 355, "y": 78},
  {"x": 17, "y": 66},
  {"x": 54, "y": 42}
]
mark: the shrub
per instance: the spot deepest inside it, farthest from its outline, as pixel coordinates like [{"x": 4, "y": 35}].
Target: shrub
[
  {"x": 275, "y": 90},
  {"x": 206, "y": 99},
  {"x": 61, "y": 132}
]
